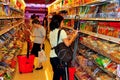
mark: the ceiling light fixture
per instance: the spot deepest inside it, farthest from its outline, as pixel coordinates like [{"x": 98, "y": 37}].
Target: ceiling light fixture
[{"x": 36, "y": 5}]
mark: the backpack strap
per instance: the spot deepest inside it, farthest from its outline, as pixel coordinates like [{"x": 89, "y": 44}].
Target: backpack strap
[
  {"x": 58, "y": 35},
  {"x": 57, "y": 38}
]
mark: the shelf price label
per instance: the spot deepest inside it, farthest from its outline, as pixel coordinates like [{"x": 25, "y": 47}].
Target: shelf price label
[
  {"x": 96, "y": 71},
  {"x": 118, "y": 70}
]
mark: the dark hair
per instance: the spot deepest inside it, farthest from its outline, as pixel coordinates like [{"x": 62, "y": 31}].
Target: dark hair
[
  {"x": 55, "y": 22},
  {"x": 37, "y": 16},
  {"x": 46, "y": 14},
  {"x": 35, "y": 21},
  {"x": 33, "y": 16},
  {"x": 63, "y": 12}
]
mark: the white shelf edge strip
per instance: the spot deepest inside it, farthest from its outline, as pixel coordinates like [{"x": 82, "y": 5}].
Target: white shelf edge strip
[{"x": 109, "y": 38}]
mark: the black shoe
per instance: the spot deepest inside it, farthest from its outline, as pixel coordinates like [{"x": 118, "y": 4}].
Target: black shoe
[{"x": 39, "y": 68}]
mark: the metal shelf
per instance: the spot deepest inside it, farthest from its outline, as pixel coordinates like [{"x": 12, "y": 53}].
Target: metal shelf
[
  {"x": 109, "y": 73},
  {"x": 96, "y": 2},
  {"x": 87, "y": 70},
  {"x": 9, "y": 28},
  {"x": 16, "y": 10},
  {"x": 4, "y": 3},
  {"x": 92, "y": 19},
  {"x": 108, "y": 38},
  {"x": 101, "y": 19},
  {"x": 102, "y": 53},
  {"x": 11, "y": 17}
]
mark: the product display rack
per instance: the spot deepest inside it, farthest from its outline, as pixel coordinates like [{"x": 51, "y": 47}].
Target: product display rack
[
  {"x": 101, "y": 13},
  {"x": 14, "y": 17},
  {"x": 92, "y": 59},
  {"x": 9, "y": 28},
  {"x": 11, "y": 40}
]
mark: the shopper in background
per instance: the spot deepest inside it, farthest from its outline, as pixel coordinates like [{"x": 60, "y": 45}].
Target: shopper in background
[
  {"x": 37, "y": 17},
  {"x": 45, "y": 24},
  {"x": 45, "y": 21},
  {"x": 55, "y": 25},
  {"x": 39, "y": 38},
  {"x": 31, "y": 19}
]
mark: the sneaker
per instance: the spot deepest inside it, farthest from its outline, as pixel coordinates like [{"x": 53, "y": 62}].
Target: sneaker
[{"x": 39, "y": 68}]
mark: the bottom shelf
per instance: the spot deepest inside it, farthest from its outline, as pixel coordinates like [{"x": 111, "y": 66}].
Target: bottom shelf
[
  {"x": 90, "y": 70},
  {"x": 80, "y": 74},
  {"x": 8, "y": 64}
]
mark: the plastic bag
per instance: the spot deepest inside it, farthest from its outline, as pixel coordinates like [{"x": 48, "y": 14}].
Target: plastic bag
[{"x": 41, "y": 56}]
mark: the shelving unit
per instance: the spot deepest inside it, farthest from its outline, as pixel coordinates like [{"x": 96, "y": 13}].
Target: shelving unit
[
  {"x": 11, "y": 40},
  {"x": 9, "y": 28},
  {"x": 91, "y": 59},
  {"x": 109, "y": 38},
  {"x": 101, "y": 19},
  {"x": 11, "y": 17},
  {"x": 105, "y": 11}
]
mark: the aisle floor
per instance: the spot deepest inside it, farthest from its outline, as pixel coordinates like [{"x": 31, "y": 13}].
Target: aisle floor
[{"x": 45, "y": 74}]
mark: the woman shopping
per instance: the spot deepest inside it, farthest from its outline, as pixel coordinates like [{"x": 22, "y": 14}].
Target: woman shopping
[
  {"x": 38, "y": 43},
  {"x": 55, "y": 25}
]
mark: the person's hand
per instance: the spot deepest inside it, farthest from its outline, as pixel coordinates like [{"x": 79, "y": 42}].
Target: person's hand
[
  {"x": 41, "y": 46},
  {"x": 75, "y": 33}
]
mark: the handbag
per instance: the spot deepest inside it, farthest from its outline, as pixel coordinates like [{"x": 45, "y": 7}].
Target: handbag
[
  {"x": 63, "y": 52},
  {"x": 41, "y": 56}
]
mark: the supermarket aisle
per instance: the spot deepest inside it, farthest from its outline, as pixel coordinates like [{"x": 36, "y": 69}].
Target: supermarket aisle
[{"x": 44, "y": 74}]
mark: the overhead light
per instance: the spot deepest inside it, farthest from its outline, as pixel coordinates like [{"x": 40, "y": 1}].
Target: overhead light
[{"x": 36, "y": 5}]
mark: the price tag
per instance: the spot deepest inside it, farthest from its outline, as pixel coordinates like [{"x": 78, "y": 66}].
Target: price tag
[
  {"x": 118, "y": 70},
  {"x": 96, "y": 71}
]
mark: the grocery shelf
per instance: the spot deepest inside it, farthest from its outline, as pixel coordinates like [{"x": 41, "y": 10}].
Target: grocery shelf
[
  {"x": 102, "y": 53},
  {"x": 109, "y": 38},
  {"x": 9, "y": 28},
  {"x": 16, "y": 10},
  {"x": 69, "y": 17},
  {"x": 109, "y": 73},
  {"x": 96, "y": 2},
  {"x": 92, "y": 19},
  {"x": 101, "y": 19},
  {"x": 4, "y": 3},
  {"x": 10, "y": 17},
  {"x": 87, "y": 70},
  {"x": 16, "y": 52}
]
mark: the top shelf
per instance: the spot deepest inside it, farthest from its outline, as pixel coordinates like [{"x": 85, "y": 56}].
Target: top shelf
[
  {"x": 98, "y": 2},
  {"x": 16, "y": 10}
]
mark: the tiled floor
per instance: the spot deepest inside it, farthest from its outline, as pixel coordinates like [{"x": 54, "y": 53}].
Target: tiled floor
[{"x": 44, "y": 74}]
